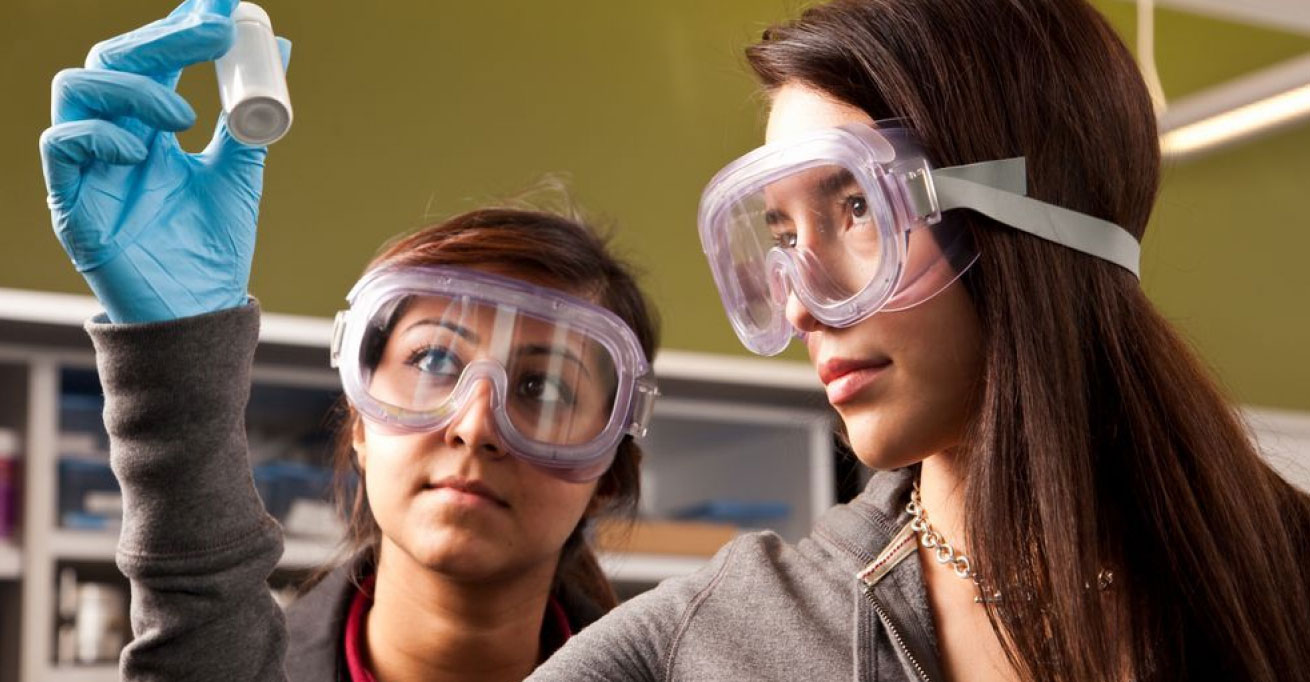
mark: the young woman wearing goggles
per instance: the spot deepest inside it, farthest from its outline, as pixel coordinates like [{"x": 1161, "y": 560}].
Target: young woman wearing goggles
[
  {"x": 491, "y": 413},
  {"x": 496, "y": 368},
  {"x": 947, "y": 211}
]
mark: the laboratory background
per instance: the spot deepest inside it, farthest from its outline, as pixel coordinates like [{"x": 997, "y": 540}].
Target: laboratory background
[{"x": 407, "y": 112}]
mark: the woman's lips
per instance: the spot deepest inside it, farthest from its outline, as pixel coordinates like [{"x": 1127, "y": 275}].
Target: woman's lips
[
  {"x": 465, "y": 491},
  {"x": 844, "y": 379}
]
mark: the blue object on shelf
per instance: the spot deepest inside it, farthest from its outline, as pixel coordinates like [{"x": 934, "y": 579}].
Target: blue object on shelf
[
  {"x": 280, "y": 483},
  {"x": 742, "y": 513},
  {"x": 82, "y": 412},
  {"x": 77, "y": 520},
  {"x": 77, "y": 477}
]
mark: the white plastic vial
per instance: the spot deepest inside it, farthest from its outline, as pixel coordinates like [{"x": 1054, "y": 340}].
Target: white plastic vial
[{"x": 251, "y": 82}]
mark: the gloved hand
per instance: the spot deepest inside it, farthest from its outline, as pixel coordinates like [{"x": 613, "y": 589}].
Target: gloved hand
[{"x": 158, "y": 233}]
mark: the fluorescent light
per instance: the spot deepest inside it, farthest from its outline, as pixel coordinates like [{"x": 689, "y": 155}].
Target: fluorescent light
[
  {"x": 1242, "y": 109},
  {"x": 1239, "y": 123}
]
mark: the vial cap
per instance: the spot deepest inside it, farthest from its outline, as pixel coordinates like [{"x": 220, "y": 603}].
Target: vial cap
[{"x": 249, "y": 11}]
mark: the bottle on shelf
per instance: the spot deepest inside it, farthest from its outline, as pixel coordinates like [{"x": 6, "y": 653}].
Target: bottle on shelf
[{"x": 10, "y": 482}]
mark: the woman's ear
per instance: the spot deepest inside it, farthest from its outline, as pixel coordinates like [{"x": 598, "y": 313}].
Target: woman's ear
[
  {"x": 600, "y": 500},
  {"x": 357, "y": 441}
]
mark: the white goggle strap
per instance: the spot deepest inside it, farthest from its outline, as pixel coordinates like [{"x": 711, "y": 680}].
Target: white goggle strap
[{"x": 997, "y": 190}]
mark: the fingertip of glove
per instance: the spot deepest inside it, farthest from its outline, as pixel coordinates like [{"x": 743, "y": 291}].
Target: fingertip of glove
[{"x": 217, "y": 31}]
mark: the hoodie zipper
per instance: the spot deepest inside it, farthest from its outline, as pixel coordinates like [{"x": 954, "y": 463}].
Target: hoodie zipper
[
  {"x": 895, "y": 632},
  {"x": 868, "y": 579}
]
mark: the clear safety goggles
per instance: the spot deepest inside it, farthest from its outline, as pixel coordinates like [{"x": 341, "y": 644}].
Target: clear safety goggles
[
  {"x": 849, "y": 220},
  {"x": 563, "y": 379}
]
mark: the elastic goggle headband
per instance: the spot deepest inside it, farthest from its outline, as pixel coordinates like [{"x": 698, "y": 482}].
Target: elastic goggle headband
[
  {"x": 848, "y": 220},
  {"x": 563, "y": 379}
]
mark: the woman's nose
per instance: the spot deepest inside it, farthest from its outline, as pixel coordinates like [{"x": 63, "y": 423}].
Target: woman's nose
[
  {"x": 799, "y": 316},
  {"x": 475, "y": 425}
]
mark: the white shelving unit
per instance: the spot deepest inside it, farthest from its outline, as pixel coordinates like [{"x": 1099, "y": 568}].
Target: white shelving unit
[
  {"x": 100, "y": 672},
  {"x": 726, "y": 428},
  {"x": 11, "y": 560}
]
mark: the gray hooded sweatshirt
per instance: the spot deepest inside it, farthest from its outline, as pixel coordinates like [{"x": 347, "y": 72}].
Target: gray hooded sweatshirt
[
  {"x": 846, "y": 603},
  {"x": 843, "y": 604}
]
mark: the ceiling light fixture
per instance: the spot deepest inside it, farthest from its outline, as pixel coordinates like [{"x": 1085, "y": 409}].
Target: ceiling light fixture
[{"x": 1243, "y": 109}]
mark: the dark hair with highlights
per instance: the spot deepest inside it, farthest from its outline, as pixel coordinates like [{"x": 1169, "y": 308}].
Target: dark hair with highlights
[
  {"x": 1100, "y": 441},
  {"x": 548, "y": 248}
]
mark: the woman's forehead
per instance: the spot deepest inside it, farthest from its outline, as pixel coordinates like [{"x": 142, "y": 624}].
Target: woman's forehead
[{"x": 797, "y": 109}]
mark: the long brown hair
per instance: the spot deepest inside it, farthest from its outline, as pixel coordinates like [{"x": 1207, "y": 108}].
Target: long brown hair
[
  {"x": 546, "y": 247},
  {"x": 1100, "y": 442}
]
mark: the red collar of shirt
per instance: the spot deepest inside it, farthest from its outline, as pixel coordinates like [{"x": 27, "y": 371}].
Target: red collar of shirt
[
  {"x": 359, "y": 606},
  {"x": 363, "y": 601}
]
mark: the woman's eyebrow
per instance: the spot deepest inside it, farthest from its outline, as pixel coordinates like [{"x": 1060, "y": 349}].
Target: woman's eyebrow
[
  {"x": 828, "y": 185},
  {"x": 834, "y": 182},
  {"x": 463, "y": 332},
  {"x": 533, "y": 349},
  {"x": 775, "y": 216}
]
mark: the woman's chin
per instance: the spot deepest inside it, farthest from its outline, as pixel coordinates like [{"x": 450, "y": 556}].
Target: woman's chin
[
  {"x": 465, "y": 565},
  {"x": 895, "y": 438},
  {"x": 457, "y": 555},
  {"x": 893, "y": 457},
  {"x": 886, "y": 462},
  {"x": 878, "y": 448}
]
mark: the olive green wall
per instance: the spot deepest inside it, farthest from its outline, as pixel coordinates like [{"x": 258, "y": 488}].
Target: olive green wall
[{"x": 406, "y": 111}]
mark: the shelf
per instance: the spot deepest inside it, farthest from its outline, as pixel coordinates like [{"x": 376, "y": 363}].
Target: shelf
[
  {"x": 302, "y": 553},
  {"x": 101, "y": 672},
  {"x": 72, "y": 310},
  {"x": 95, "y": 546},
  {"x": 648, "y": 568},
  {"x": 11, "y": 560},
  {"x": 83, "y": 545}
]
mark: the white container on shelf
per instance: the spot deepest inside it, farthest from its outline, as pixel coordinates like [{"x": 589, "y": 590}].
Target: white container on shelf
[{"x": 101, "y": 622}]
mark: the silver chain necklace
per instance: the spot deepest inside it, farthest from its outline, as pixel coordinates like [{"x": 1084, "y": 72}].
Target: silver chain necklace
[{"x": 944, "y": 553}]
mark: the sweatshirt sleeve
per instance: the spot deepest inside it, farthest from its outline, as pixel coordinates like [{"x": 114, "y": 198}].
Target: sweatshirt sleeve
[
  {"x": 640, "y": 639},
  {"x": 196, "y": 542}
]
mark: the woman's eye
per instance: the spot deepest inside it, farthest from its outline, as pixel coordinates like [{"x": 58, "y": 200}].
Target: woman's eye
[
  {"x": 786, "y": 240},
  {"x": 436, "y": 361},
  {"x": 858, "y": 206},
  {"x": 542, "y": 389}
]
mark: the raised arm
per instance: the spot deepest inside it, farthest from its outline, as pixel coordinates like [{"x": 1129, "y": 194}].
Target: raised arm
[
  {"x": 196, "y": 542},
  {"x": 165, "y": 239}
]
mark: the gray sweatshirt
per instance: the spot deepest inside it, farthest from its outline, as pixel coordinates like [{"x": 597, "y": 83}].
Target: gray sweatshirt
[
  {"x": 198, "y": 546},
  {"x": 842, "y": 604}
]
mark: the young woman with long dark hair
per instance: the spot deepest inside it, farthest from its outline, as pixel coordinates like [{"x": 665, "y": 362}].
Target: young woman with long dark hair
[{"x": 947, "y": 210}]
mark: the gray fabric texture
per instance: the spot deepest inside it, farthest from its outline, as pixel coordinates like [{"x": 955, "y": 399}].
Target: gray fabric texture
[
  {"x": 196, "y": 542},
  {"x": 316, "y": 621},
  {"x": 766, "y": 610}
]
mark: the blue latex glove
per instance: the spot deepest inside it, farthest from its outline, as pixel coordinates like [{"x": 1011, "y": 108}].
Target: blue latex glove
[{"x": 158, "y": 233}]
